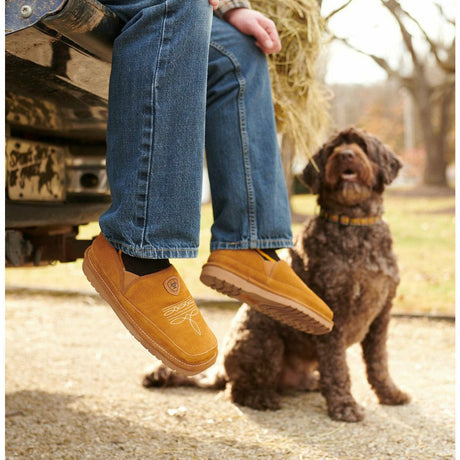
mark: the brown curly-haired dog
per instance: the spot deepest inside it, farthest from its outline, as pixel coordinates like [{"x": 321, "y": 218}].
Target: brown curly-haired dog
[{"x": 345, "y": 256}]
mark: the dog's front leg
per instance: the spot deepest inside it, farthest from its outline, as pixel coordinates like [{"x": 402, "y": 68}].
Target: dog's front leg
[
  {"x": 335, "y": 382},
  {"x": 374, "y": 348},
  {"x": 253, "y": 366}
]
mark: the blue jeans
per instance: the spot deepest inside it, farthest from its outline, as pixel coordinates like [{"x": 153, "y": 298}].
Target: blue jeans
[{"x": 183, "y": 82}]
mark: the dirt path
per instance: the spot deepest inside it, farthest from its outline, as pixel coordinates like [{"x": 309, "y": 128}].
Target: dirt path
[{"x": 73, "y": 392}]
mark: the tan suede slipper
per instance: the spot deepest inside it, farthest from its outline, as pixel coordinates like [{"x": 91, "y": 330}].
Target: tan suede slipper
[
  {"x": 270, "y": 286},
  {"x": 157, "y": 309}
]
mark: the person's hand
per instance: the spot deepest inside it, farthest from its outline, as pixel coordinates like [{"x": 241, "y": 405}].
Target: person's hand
[
  {"x": 214, "y": 4},
  {"x": 253, "y": 23}
]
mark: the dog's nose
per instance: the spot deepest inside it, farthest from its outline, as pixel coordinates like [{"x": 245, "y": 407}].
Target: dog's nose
[{"x": 347, "y": 154}]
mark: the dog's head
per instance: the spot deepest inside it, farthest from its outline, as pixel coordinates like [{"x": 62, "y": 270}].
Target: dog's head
[{"x": 350, "y": 166}]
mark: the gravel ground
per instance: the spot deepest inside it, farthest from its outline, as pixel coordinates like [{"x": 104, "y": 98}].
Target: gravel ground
[{"x": 73, "y": 391}]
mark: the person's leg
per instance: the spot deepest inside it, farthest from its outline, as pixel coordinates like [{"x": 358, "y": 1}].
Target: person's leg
[
  {"x": 155, "y": 134},
  {"x": 250, "y": 201},
  {"x": 249, "y": 196},
  {"x": 155, "y": 142}
]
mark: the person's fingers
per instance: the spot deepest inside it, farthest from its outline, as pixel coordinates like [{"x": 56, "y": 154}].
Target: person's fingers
[
  {"x": 253, "y": 23},
  {"x": 214, "y": 4},
  {"x": 266, "y": 36},
  {"x": 270, "y": 29},
  {"x": 276, "y": 41},
  {"x": 262, "y": 37}
]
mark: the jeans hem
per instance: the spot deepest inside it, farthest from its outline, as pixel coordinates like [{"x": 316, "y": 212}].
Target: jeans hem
[
  {"x": 156, "y": 253},
  {"x": 253, "y": 244}
]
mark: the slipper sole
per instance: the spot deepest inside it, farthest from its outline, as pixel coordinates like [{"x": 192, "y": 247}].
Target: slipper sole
[{"x": 281, "y": 308}]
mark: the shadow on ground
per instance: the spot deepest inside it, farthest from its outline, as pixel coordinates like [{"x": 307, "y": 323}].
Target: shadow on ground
[{"x": 73, "y": 391}]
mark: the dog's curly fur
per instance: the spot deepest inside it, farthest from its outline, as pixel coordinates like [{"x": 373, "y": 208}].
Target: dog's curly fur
[{"x": 352, "y": 268}]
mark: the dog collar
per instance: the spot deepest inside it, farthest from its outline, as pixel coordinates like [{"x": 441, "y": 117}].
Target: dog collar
[{"x": 342, "y": 219}]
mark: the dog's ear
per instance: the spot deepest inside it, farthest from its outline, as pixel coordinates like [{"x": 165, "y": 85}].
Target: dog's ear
[
  {"x": 311, "y": 175},
  {"x": 388, "y": 162}
]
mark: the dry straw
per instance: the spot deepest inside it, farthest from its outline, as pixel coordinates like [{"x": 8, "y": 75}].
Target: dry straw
[{"x": 300, "y": 100}]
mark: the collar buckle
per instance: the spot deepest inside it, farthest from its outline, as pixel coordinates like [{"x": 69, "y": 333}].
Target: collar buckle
[{"x": 344, "y": 220}]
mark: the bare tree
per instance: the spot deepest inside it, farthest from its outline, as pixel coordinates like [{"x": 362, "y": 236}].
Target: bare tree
[{"x": 430, "y": 81}]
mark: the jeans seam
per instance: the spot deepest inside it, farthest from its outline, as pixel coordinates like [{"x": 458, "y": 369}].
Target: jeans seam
[
  {"x": 244, "y": 142},
  {"x": 153, "y": 116}
]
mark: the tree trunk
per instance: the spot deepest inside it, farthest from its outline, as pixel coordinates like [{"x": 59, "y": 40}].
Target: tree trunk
[
  {"x": 435, "y": 168},
  {"x": 433, "y": 102},
  {"x": 435, "y": 171},
  {"x": 447, "y": 114}
]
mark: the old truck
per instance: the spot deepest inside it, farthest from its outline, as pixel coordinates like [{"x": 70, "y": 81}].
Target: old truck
[{"x": 57, "y": 68}]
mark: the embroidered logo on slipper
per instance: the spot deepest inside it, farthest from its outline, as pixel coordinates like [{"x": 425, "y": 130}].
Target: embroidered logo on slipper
[
  {"x": 172, "y": 285},
  {"x": 183, "y": 312}
]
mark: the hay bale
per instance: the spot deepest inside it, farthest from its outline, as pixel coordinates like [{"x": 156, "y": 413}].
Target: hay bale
[{"x": 301, "y": 101}]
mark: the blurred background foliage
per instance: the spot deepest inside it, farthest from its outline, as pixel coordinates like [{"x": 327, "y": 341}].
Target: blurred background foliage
[{"x": 387, "y": 66}]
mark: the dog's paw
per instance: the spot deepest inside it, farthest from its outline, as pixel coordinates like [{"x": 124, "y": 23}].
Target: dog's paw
[
  {"x": 162, "y": 376},
  {"x": 393, "y": 397},
  {"x": 260, "y": 399},
  {"x": 346, "y": 411}
]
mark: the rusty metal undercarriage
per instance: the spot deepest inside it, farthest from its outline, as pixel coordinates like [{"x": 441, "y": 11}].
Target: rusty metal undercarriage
[{"x": 57, "y": 68}]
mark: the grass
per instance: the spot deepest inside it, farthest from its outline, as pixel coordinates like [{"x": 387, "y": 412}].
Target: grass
[
  {"x": 424, "y": 242},
  {"x": 424, "y": 236},
  {"x": 423, "y": 231}
]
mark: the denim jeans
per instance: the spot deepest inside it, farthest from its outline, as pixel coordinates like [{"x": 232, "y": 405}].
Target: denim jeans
[{"x": 183, "y": 82}]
